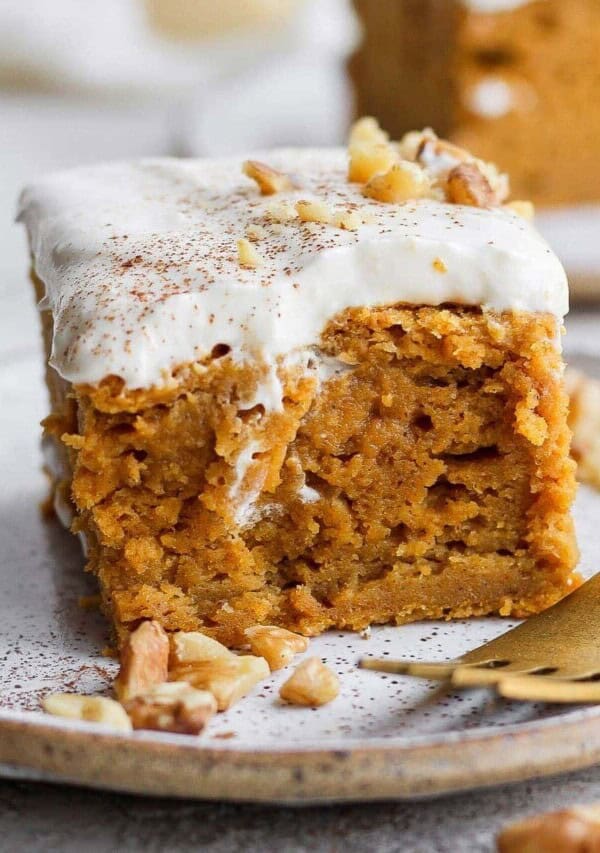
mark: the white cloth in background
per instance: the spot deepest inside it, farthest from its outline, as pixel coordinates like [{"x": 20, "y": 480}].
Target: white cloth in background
[
  {"x": 254, "y": 87},
  {"x": 109, "y": 48}
]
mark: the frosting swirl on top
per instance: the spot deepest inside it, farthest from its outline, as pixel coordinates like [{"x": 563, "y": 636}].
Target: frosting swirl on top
[{"x": 141, "y": 267}]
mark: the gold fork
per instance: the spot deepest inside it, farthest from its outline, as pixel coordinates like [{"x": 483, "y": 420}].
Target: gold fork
[{"x": 551, "y": 657}]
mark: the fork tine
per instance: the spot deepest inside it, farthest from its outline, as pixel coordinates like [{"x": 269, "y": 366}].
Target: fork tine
[
  {"x": 466, "y": 676},
  {"x": 438, "y": 671},
  {"x": 472, "y": 675},
  {"x": 422, "y": 669},
  {"x": 541, "y": 688}
]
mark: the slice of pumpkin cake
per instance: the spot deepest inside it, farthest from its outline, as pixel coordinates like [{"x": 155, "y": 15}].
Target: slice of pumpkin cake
[{"x": 316, "y": 388}]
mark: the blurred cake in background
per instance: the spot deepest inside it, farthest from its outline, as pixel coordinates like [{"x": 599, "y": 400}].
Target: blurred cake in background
[{"x": 504, "y": 78}]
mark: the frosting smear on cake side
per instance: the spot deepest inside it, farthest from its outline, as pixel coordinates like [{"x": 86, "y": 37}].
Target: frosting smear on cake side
[{"x": 152, "y": 264}]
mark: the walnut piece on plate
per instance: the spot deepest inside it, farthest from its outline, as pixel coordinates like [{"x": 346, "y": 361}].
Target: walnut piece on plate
[
  {"x": 193, "y": 646},
  {"x": 144, "y": 661},
  {"x": 93, "y": 709},
  {"x": 277, "y": 645},
  {"x": 227, "y": 679},
  {"x": 312, "y": 683},
  {"x": 172, "y": 707}
]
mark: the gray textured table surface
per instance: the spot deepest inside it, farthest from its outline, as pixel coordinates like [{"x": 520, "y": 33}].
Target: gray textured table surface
[{"x": 36, "y": 817}]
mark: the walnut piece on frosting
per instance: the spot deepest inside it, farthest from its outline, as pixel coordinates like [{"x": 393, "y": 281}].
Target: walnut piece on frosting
[
  {"x": 277, "y": 645},
  {"x": 466, "y": 184},
  {"x": 269, "y": 180},
  {"x": 93, "y": 709},
  {"x": 369, "y": 159},
  {"x": 440, "y": 158},
  {"x": 435, "y": 153},
  {"x": 412, "y": 142},
  {"x": 422, "y": 166},
  {"x": 281, "y": 211},
  {"x": 366, "y": 130},
  {"x": 313, "y": 211},
  {"x": 248, "y": 256},
  {"x": 312, "y": 684},
  {"x": 369, "y": 149},
  {"x": 174, "y": 707},
  {"x": 144, "y": 660},
  {"x": 347, "y": 220},
  {"x": 403, "y": 182}
]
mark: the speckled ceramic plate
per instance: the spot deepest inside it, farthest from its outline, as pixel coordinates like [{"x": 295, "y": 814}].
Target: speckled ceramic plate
[{"x": 384, "y": 737}]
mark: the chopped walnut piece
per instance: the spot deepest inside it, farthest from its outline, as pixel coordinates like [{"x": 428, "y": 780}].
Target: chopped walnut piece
[
  {"x": 311, "y": 683},
  {"x": 227, "y": 679},
  {"x": 525, "y": 209},
  {"x": 281, "y": 211},
  {"x": 192, "y": 646},
  {"x": 269, "y": 180},
  {"x": 440, "y": 158},
  {"x": 277, "y": 645},
  {"x": 412, "y": 141},
  {"x": 439, "y": 155},
  {"x": 367, "y": 160},
  {"x": 347, "y": 220},
  {"x": 466, "y": 184},
  {"x": 172, "y": 707},
  {"x": 93, "y": 709},
  {"x": 247, "y": 254},
  {"x": 313, "y": 211},
  {"x": 366, "y": 130},
  {"x": 498, "y": 181},
  {"x": 584, "y": 420},
  {"x": 144, "y": 660},
  {"x": 574, "y": 830},
  {"x": 403, "y": 182}
]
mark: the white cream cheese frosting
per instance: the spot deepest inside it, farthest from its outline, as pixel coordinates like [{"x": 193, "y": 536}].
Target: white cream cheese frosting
[{"x": 140, "y": 264}]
